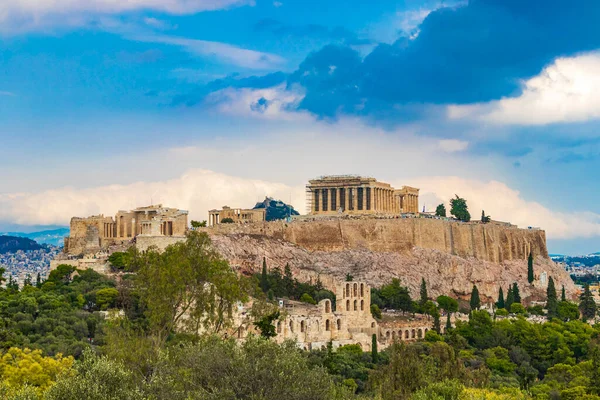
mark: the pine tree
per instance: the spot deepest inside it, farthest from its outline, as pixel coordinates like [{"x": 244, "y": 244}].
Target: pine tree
[
  {"x": 587, "y": 304},
  {"x": 530, "y": 268},
  {"x": 374, "y": 354},
  {"x": 510, "y": 298},
  {"x": 264, "y": 280},
  {"x": 500, "y": 303},
  {"x": 551, "y": 300},
  {"x": 516, "y": 294},
  {"x": 424, "y": 296},
  {"x": 563, "y": 295},
  {"x": 475, "y": 301}
]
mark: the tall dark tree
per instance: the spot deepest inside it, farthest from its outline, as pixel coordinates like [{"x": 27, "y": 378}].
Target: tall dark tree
[
  {"x": 436, "y": 322},
  {"x": 530, "y": 268},
  {"x": 264, "y": 280},
  {"x": 459, "y": 208},
  {"x": 516, "y": 294},
  {"x": 485, "y": 218},
  {"x": 448, "y": 323},
  {"x": 475, "y": 300},
  {"x": 440, "y": 210},
  {"x": 551, "y": 299},
  {"x": 374, "y": 353},
  {"x": 27, "y": 281},
  {"x": 510, "y": 298},
  {"x": 423, "y": 292},
  {"x": 563, "y": 295},
  {"x": 500, "y": 303},
  {"x": 587, "y": 304},
  {"x": 38, "y": 281}
]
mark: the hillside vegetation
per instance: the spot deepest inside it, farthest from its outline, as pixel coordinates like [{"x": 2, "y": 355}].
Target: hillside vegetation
[{"x": 11, "y": 244}]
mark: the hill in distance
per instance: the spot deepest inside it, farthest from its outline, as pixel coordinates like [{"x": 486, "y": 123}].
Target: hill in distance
[
  {"x": 54, "y": 237},
  {"x": 12, "y": 244},
  {"x": 276, "y": 209}
]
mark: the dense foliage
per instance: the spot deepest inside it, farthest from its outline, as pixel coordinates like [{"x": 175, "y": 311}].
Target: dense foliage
[{"x": 57, "y": 344}]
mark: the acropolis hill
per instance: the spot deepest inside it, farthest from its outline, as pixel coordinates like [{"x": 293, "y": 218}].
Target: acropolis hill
[{"x": 356, "y": 226}]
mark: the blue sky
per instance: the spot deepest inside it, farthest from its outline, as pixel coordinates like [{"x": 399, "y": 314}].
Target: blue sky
[{"x": 106, "y": 105}]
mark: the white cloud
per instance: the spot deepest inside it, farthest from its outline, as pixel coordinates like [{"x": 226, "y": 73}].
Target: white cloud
[
  {"x": 201, "y": 190},
  {"x": 196, "y": 191},
  {"x": 277, "y": 4},
  {"x": 222, "y": 51},
  {"x": 5, "y": 93},
  {"x": 453, "y": 145},
  {"x": 407, "y": 22},
  {"x": 566, "y": 91},
  {"x": 274, "y": 103},
  {"x": 18, "y": 16},
  {"x": 505, "y": 204}
]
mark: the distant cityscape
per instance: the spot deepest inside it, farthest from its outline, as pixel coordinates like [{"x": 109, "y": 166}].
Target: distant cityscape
[{"x": 21, "y": 264}]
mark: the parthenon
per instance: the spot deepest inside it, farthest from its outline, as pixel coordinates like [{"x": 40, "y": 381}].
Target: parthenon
[{"x": 350, "y": 194}]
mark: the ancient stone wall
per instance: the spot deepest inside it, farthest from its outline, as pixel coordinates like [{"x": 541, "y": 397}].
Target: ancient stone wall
[
  {"x": 144, "y": 242},
  {"x": 487, "y": 242}
]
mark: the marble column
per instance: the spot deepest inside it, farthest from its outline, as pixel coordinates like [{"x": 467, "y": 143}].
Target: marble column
[{"x": 355, "y": 198}]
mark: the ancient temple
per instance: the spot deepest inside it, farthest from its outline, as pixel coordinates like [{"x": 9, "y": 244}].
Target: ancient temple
[{"x": 350, "y": 194}]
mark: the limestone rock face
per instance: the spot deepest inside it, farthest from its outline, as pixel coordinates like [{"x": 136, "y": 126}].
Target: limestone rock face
[{"x": 450, "y": 256}]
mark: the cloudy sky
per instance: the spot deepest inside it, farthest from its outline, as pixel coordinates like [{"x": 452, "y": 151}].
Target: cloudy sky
[{"x": 109, "y": 104}]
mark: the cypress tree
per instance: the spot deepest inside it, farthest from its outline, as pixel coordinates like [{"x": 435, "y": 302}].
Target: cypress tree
[
  {"x": 530, "y": 268},
  {"x": 424, "y": 296},
  {"x": 475, "y": 301},
  {"x": 436, "y": 322},
  {"x": 500, "y": 303},
  {"x": 264, "y": 281},
  {"x": 587, "y": 304},
  {"x": 551, "y": 300},
  {"x": 516, "y": 294},
  {"x": 510, "y": 298},
  {"x": 374, "y": 354},
  {"x": 448, "y": 323},
  {"x": 38, "y": 281},
  {"x": 563, "y": 295}
]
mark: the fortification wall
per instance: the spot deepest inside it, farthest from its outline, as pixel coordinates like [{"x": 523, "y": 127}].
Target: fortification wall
[
  {"x": 144, "y": 242},
  {"x": 487, "y": 242}
]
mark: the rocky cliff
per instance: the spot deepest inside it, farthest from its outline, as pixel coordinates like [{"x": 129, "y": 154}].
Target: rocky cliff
[{"x": 451, "y": 256}]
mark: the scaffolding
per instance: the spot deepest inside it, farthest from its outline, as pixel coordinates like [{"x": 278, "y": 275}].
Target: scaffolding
[{"x": 309, "y": 200}]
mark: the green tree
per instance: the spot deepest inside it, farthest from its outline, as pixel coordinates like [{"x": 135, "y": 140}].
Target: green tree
[
  {"x": 2, "y": 277},
  {"x": 227, "y": 220},
  {"x": 475, "y": 301},
  {"x": 587, "y": 304},
  {"x": 436, "y": 322},
  {"x": 62, "y": 274},
  {"x": 516, "y": 293},
  {"x": 106, "y": 298},
  {"x": 551, "y": 299},
  {"x": 448, "y": 322},
  {"x": 517, "y": 308},
  {"x": 485, "y": 218},
  {"x": 38, "y": 281},
  {"x": 563, "y": 295},
  {"x": 530, "y": 276},
  {"x": 307, "y": 298},
  {"x": 27, "y": 281},
  {"x": 459, "y": 209},
  {"x": 567, "y": 311},
  {"x": 396, "y": 296},
  {"x": 265, "y": 325},
  {"x": 197, "y": 224},
  {"x": 448, "y": 304},
  {"x": 188, "y": 286},
  {"x": 264, "y": 280},
  {"x": 349, "y": 278},
  {"x": 423, "y": 292},
  {"x": 375, "y": 311},
  {"x": 500, "y": 303},
  {"x": 374, "y": 354},
  {"x": 440, "y": 210},
  {"x": 510, "y": 298}
]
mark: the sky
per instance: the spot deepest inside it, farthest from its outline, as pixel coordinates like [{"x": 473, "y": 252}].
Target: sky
[{"x": 107, "y": 105}]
